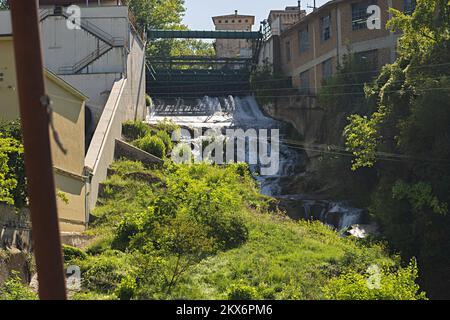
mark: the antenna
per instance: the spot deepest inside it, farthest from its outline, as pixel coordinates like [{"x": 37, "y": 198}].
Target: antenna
[{"x": 314, "y": 6}]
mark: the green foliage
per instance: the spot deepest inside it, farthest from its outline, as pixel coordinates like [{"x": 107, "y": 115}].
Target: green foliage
[
  {"x": 148, "y": 100},
  {"x": 133, "y": 130},
  {"x": 241, "y": 291},
  {"x": 166, "y": 139},
  {"x": 71, "y": 253},
  {"x": 411, "y": 120},
  {"x": 419, "y": 195},
  {"x": 207, "y": 234},
  {"x": 167, "y": 125},
  {"x": 154, "y": 14},
  {"x": 362, "y": 138},
  {"x": 390, "y": 285},
  {"x": 14, "y": 289},
  {"x": 126, "y": 288},
  {"x": 12, "y": 167},
  {"x": 62, "y": 196},
  {"x": 152, "y": 144}
]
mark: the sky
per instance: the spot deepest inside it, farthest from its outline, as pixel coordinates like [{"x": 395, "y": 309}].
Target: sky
[{"x": 199, "y": 12}]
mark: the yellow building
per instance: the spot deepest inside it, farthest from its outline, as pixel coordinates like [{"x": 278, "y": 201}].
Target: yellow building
[{"x": 68, "y": 149}]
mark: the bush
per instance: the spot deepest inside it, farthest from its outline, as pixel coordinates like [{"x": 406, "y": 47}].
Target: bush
[
  {"x": 164, "y": 136},
  {"x": 148, "y": 100},
  {"x": 167, "y": 125},
  {"x": 153, "y": 145},
  {"x": 14, "y": 289},
  {"x": 126, "y": 288},
  {"x": 380, "y": 284},
  {"x": 133, "y": 130},
  {"x": 72, "y": 253},
  {"x": 241, "y": 291}
]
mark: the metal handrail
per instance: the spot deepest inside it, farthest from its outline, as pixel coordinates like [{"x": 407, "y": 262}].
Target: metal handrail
[{"x": 83, "y": 63}]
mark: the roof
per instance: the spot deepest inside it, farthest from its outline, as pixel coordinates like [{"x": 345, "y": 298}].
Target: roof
[
  {"x": 234, "y": 16},
  {"x": 65, "y": 85}
]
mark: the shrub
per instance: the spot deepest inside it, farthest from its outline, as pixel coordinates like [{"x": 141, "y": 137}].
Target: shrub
[
  {"x": 148, "y": 100},
  {"x": 72, "y": 253},
  {"x": 167, "y": 125},
  {"x": 164, "y": 136},
  {"x": 126, "y": 288},
  {"x": 241, "y": 291},
  {"x": 399, "y": 285},
  {"x": 133, "y": 130},
  {"x": 152, "y": 144},
  {"x": 14, "y": 289}
]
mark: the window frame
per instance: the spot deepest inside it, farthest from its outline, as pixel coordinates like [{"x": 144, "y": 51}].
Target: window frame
[
  {"x": 303, "y": 44},
  {"x": 325, "y": 32}
]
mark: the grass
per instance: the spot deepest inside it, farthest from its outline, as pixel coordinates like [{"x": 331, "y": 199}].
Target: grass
[{"x": 279, "y": 259}]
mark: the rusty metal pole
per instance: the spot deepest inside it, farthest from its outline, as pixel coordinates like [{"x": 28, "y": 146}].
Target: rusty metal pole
[{"x": 38, "y": 163}]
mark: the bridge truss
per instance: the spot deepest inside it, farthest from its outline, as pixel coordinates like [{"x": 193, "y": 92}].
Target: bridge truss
[{"x": 201, "y": 75}]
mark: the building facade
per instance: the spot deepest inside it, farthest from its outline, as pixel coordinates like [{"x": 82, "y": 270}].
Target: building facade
[
  {"x": 234, "y": 48},
  {"x": 311, "y": 49},
  {"x": 102, "y": 58},
  {"x": 68, "y": 111},
  {"x": 287, "y": 17}
]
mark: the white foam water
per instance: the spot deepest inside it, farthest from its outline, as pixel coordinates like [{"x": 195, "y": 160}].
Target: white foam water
[{"x": 244, "y": 113}]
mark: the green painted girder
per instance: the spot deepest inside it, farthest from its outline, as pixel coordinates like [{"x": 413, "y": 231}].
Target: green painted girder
[{"x": 192, "y": 34}]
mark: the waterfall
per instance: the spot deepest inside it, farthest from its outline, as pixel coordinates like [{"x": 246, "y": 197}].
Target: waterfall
[{"x": 244, "y": 113}]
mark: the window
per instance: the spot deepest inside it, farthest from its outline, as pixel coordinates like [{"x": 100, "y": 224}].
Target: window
[
  {"x": 409, "y": 6},
  {"x": 226, "y": 21},
  {"x": 360, "y": 15},
  {"x": 1, "y": 76},
  {"x": 327, "y": 69},
  {"x": 220, "y": 21},
  {"x": 304, "y": 82},
  {"x": 370, "y": 58},
  {"x": 325, "y": 28},
  {"x": 303, "y": 38},
  {"x": 288, "y": 51}
]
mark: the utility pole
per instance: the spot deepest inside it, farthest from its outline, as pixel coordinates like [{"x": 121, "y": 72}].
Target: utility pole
[{"x": 34, "y": 105}]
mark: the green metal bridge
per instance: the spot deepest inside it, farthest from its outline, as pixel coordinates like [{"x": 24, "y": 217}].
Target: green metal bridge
[{"x": 195, "y": 76}]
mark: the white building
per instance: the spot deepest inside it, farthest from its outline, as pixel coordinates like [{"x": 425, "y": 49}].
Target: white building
[{"x": 103, "y": 57}]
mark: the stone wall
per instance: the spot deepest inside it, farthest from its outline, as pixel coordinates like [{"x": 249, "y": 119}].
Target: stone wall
[{"x": 15, "y": 228}]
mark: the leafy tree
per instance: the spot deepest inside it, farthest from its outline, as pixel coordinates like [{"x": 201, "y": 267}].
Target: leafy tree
[
  {"x": 411, "y": 120},
  {"x": 12, "y": 167},
  {"x": 166, "y": 15}
]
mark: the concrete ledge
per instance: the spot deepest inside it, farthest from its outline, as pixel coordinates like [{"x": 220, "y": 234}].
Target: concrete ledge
[{"x": 130, "y": 152}]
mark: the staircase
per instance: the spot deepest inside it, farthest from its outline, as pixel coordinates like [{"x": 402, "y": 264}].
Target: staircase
[
  {"x": 108, "y": 40},
  {"x": 86, "y": 61}
]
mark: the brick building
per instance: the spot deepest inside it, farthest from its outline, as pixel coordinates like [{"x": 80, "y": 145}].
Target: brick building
[{"x": 311, "y": 49}]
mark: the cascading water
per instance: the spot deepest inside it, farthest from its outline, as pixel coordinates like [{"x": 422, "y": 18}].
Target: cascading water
[{"x": 244, "y": 113}]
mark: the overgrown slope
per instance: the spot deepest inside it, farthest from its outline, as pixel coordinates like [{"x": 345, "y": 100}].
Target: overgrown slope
[{"x": 204, "y": 232}]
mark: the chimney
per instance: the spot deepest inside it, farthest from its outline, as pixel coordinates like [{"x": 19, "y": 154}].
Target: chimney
[
  {"x": 299, "y": 5},
  {"x": 235, "y": 12}
]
